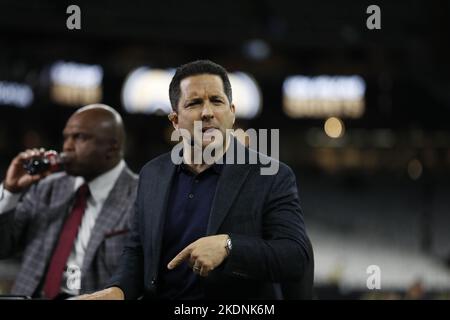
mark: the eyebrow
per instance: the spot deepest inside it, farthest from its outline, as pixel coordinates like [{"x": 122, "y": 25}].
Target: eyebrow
[
  {"x": 188, "y": 101},
  {"x": 213, "y": 96},
  {"x": 65, "y": 133}
]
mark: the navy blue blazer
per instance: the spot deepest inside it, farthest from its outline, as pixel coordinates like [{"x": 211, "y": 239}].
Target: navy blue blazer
[{"x": 261, "y": 213}]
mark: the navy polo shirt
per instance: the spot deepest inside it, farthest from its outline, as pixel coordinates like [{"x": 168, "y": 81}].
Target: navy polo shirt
[{"x": 186, "y": 221}]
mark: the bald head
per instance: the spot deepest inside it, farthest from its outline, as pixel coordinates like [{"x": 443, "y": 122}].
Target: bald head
[
  {"x": 101, "y": 109},
  {"x": 106, "y": 120},
  {"x": 94, "y": 135}
]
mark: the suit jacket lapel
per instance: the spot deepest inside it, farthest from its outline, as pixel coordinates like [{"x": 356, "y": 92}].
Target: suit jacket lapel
[
  {"x": 228, "y": 187},
  {"x": 109, "y": 215},
  {"x": 62, "y": 200},
  {"x": 39, "y": 253},
  {"x": 157, "y": 199}
]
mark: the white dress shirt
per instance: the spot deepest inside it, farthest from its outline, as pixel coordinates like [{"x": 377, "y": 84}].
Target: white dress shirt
[{"x": 99, "y": 190}]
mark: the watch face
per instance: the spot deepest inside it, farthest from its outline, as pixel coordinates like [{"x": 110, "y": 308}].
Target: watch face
[{"x": 229, "y": 244}]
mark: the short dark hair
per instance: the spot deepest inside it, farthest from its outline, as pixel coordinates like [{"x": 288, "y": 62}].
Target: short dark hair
[{"x": 196, "y": 68}]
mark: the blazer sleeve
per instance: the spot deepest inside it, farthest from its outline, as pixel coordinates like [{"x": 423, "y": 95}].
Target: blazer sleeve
[
  {"x": 281, "y": 253},
  {"x": 14, "y": 224}
]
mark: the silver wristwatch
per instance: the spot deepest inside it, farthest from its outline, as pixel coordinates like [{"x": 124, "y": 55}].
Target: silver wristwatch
[{"x": 228, "y": 245}]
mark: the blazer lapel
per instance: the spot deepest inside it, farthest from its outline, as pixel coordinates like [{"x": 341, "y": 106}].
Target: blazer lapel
[
  {"x": 62, "y": 200},
  {"x": 228, "y": 187},
  {"x": 157, "y": 198},
  {"x": 109, "y": 215}
]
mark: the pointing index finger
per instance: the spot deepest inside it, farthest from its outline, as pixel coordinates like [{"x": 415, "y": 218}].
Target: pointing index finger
[{"x": 183, "y": 255}]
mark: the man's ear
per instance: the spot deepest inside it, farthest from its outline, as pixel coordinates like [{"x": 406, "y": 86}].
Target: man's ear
[
  {"x": 173, "y": 117},
  {"x": 233, "y": 109}
]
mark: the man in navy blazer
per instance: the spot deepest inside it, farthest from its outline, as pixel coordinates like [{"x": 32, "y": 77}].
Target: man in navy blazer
[{"x": 220, "y": 230}]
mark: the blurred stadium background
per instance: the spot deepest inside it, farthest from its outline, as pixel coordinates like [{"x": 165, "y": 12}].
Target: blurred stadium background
[{"x": 363, "y": 114}]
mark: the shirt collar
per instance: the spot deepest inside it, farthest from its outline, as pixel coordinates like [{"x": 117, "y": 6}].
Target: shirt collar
[
  {"x": 216, "y": 168},
  {"x": 101, "y": 186}
]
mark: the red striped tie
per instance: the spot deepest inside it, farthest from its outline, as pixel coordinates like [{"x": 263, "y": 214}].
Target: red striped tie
[{"x": 65, "y": 244}]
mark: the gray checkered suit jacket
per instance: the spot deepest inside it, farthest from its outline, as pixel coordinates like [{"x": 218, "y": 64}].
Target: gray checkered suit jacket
[{"x": 34, "y": 226}]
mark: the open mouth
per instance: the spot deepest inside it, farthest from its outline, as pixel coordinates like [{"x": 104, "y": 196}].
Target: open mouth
[
  {"x": 208, "y": 130},
  {"x": 67, "y": 157},
  {"x": 209, "y": 134}
]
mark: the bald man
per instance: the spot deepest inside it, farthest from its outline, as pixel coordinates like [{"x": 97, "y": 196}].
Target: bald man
[{"x": 71, "y": 225}]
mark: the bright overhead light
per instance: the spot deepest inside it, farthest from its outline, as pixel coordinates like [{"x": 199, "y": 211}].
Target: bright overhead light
[
  {"x": 246, "y": 95},
  {"x": 334, "y": 128},
  {"x": 15, "y": 94},
  {"x": 76, "y": 74},
  {"x": 324, "y": 96},
  {"x": 147, "y": 91},
  {"x": 76, "y": 84}
]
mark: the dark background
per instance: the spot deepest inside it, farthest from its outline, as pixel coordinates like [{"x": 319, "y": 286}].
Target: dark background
[{"x": 355, "y": 190}]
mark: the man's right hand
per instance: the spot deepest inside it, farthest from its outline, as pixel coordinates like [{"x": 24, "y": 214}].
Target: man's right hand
[
  {"x": 17, "y": 179},
  {"x": 113, "y": 293}
]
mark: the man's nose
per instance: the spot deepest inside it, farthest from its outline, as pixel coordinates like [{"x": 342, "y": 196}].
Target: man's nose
[
  {"x": 68, "y": 144},
  {"x": 207, "y": 111}
]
